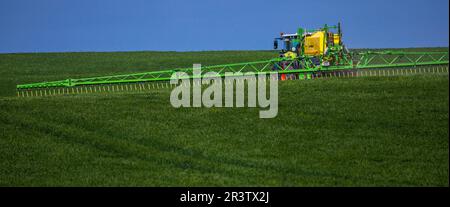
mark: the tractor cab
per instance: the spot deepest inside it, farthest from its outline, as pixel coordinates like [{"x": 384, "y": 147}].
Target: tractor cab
[{"x": 290, "y": 43}]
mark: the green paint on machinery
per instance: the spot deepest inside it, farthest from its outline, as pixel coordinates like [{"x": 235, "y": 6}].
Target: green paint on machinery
[{"x": 305, "y": 54}]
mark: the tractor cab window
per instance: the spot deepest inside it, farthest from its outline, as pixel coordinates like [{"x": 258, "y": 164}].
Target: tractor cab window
[{"x": 287, "y": 44}]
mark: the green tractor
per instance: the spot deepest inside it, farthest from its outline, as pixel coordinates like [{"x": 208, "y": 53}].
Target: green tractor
[{"x": 312, "y": 49}]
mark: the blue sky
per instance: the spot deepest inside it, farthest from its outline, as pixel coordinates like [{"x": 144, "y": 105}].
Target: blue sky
[{"x": 177, "y": 25}]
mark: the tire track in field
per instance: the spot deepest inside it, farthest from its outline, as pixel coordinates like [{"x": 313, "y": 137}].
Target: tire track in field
[{"x": 64, "y": 134}]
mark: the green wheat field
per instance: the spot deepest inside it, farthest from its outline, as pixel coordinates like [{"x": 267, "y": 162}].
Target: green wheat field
[{"x": 365, "y": 131}]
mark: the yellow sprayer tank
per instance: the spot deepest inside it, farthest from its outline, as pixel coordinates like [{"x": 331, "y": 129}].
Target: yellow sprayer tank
[
  {"x": 315, "y": 43},
  {"x": 336, "y": 39}
]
